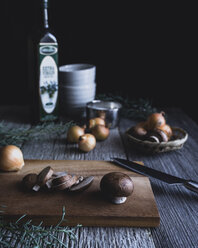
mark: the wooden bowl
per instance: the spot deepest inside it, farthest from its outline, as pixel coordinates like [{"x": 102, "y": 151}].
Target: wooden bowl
[{"x": 177, "y": 141}]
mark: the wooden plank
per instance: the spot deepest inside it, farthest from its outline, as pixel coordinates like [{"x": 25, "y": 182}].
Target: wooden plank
[
  {"x": 89, "y": 207},
  {"x": 57, "y": 148}
]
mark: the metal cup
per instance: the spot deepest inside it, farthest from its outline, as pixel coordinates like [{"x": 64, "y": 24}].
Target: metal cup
[{"x": 108, "y": 110}]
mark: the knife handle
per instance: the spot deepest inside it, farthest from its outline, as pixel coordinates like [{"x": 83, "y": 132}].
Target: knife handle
[{"x": 191, "y": 185}]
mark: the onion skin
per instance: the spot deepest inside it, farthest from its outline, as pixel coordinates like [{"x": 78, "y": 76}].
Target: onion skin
[
  {"x": 87, "y": 142},
  {"x": 74, "y": 133},
  {"x": 100, "y": 132},
  {"x": 96, "y": 121},
  {"x": 11, "y": 158},
  {"x": 155, "y": 120},
  {"x": 167, "y": 130}
]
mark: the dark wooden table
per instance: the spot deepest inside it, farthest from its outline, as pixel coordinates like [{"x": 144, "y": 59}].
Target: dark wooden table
[{"x": 177, "y": 206}]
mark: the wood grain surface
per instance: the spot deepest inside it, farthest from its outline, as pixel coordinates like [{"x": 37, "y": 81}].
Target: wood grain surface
[
  {"x": 89, "y": 207},
  {"x": 177, "y": 207}
]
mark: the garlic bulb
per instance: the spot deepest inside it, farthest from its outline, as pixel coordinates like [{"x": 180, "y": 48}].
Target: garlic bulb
[{"x": 11, "y": 158}]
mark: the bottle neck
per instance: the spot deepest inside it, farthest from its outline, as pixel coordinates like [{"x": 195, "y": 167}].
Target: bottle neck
[{"x": 45, "y": 14}]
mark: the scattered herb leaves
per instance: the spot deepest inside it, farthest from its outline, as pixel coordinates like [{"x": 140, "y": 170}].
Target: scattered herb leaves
[
  {"x": 28, "y": 235},
  {"x": 16, "y": 136},
  {"x": 131, "y": 108}
]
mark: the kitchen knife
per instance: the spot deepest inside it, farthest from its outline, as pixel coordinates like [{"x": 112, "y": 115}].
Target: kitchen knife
[{"x": 144, "y": 170}]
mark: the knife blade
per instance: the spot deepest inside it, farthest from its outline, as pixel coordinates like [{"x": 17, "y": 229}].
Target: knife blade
[{"x": 162, "y": 176}]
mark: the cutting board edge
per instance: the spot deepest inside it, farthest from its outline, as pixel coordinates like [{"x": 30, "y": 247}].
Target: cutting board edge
[{"x": 93, "y": 222}]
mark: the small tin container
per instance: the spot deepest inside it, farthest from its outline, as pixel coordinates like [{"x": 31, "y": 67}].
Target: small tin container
[{"x": 108, "y": 110}]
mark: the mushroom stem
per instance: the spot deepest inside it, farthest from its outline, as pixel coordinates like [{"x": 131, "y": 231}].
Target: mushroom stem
[{"x": 118, "y": 200}]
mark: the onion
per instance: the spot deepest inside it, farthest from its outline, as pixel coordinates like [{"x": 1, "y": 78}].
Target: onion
[
  {"x": 96, "y": 121},
  {"x": 74, "y": 133},
  {"x": 100, "y": 132},
  {"x": 87, "y": 142},
  {"x": 11, "y": 158},
  {"x": 155, "y": 120},
  {"x": 167, "y": 130}
]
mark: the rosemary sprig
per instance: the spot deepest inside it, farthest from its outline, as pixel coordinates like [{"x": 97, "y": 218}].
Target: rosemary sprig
[
  {"x": 131, "y": 108},
  {"x": 16, "y": 136},
  {"x": 37, "y": 236}
]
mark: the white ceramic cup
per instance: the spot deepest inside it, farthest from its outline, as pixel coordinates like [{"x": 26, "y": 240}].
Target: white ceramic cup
[
  {"x": 77, "y": 87},
  {"x": 77, "y": 74}
]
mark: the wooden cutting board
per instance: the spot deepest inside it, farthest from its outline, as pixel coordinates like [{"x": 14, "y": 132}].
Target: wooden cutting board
[{"x": 88, "y": 208}]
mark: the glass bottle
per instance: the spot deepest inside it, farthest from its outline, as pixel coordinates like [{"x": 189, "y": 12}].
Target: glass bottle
[{"x": 45, "y": 76}]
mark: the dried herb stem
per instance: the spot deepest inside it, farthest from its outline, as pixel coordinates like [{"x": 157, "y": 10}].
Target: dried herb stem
[
  {"x": 30, "y": 235},
  {"x": 17, "y": 136},
  {"x": 131, "y": 108}
]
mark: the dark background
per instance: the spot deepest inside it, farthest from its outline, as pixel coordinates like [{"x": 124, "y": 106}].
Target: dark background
[{"x": 146, "y": 50}]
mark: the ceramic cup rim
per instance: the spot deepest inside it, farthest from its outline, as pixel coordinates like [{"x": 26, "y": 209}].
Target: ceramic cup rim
[{"x": 77, "y": 67}]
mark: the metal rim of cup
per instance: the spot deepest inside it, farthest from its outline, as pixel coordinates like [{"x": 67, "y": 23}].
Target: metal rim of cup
[{"x": 98, "y": 105}]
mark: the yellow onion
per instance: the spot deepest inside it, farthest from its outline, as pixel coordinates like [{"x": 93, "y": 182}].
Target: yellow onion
[
  {"x": 96, "y": 121},
  {"x": 100, "y": 132},
  {"x": 11, "y": 158},
  {"x": 167, "y": 130},
  {"x": 74, "y": 133},
  {"x": 155, "y": 120},
  {"x": 87, "y": 142}
]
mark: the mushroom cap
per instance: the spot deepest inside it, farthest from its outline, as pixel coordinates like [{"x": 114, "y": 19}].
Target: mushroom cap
[{"x": 116, "y": 184}]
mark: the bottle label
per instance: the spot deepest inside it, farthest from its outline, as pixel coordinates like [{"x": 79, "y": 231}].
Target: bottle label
[{"x": 48, "y": 79}]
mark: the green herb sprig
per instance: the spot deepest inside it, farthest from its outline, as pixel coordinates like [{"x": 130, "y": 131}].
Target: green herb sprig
[
  {"x": 37, "y": 236},
  {"x": 16, "y": 136},
  {"x": 131, "y": 108}
]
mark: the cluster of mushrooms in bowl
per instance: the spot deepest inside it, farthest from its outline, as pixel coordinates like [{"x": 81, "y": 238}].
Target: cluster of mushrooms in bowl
[{"x": 154, "y": 135}]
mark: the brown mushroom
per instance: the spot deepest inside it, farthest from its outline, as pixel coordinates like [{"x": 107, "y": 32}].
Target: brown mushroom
[
  {"x": 82, "y": 184},
  {"x": 116, "y": 186},
  {"x": 29, "y": 181},
  {"x": 157, "y": 135},
  {"x": 140, "y": 130},
  {"x": 64, "y": 182},
  {"x": 44, "y": 176}
]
